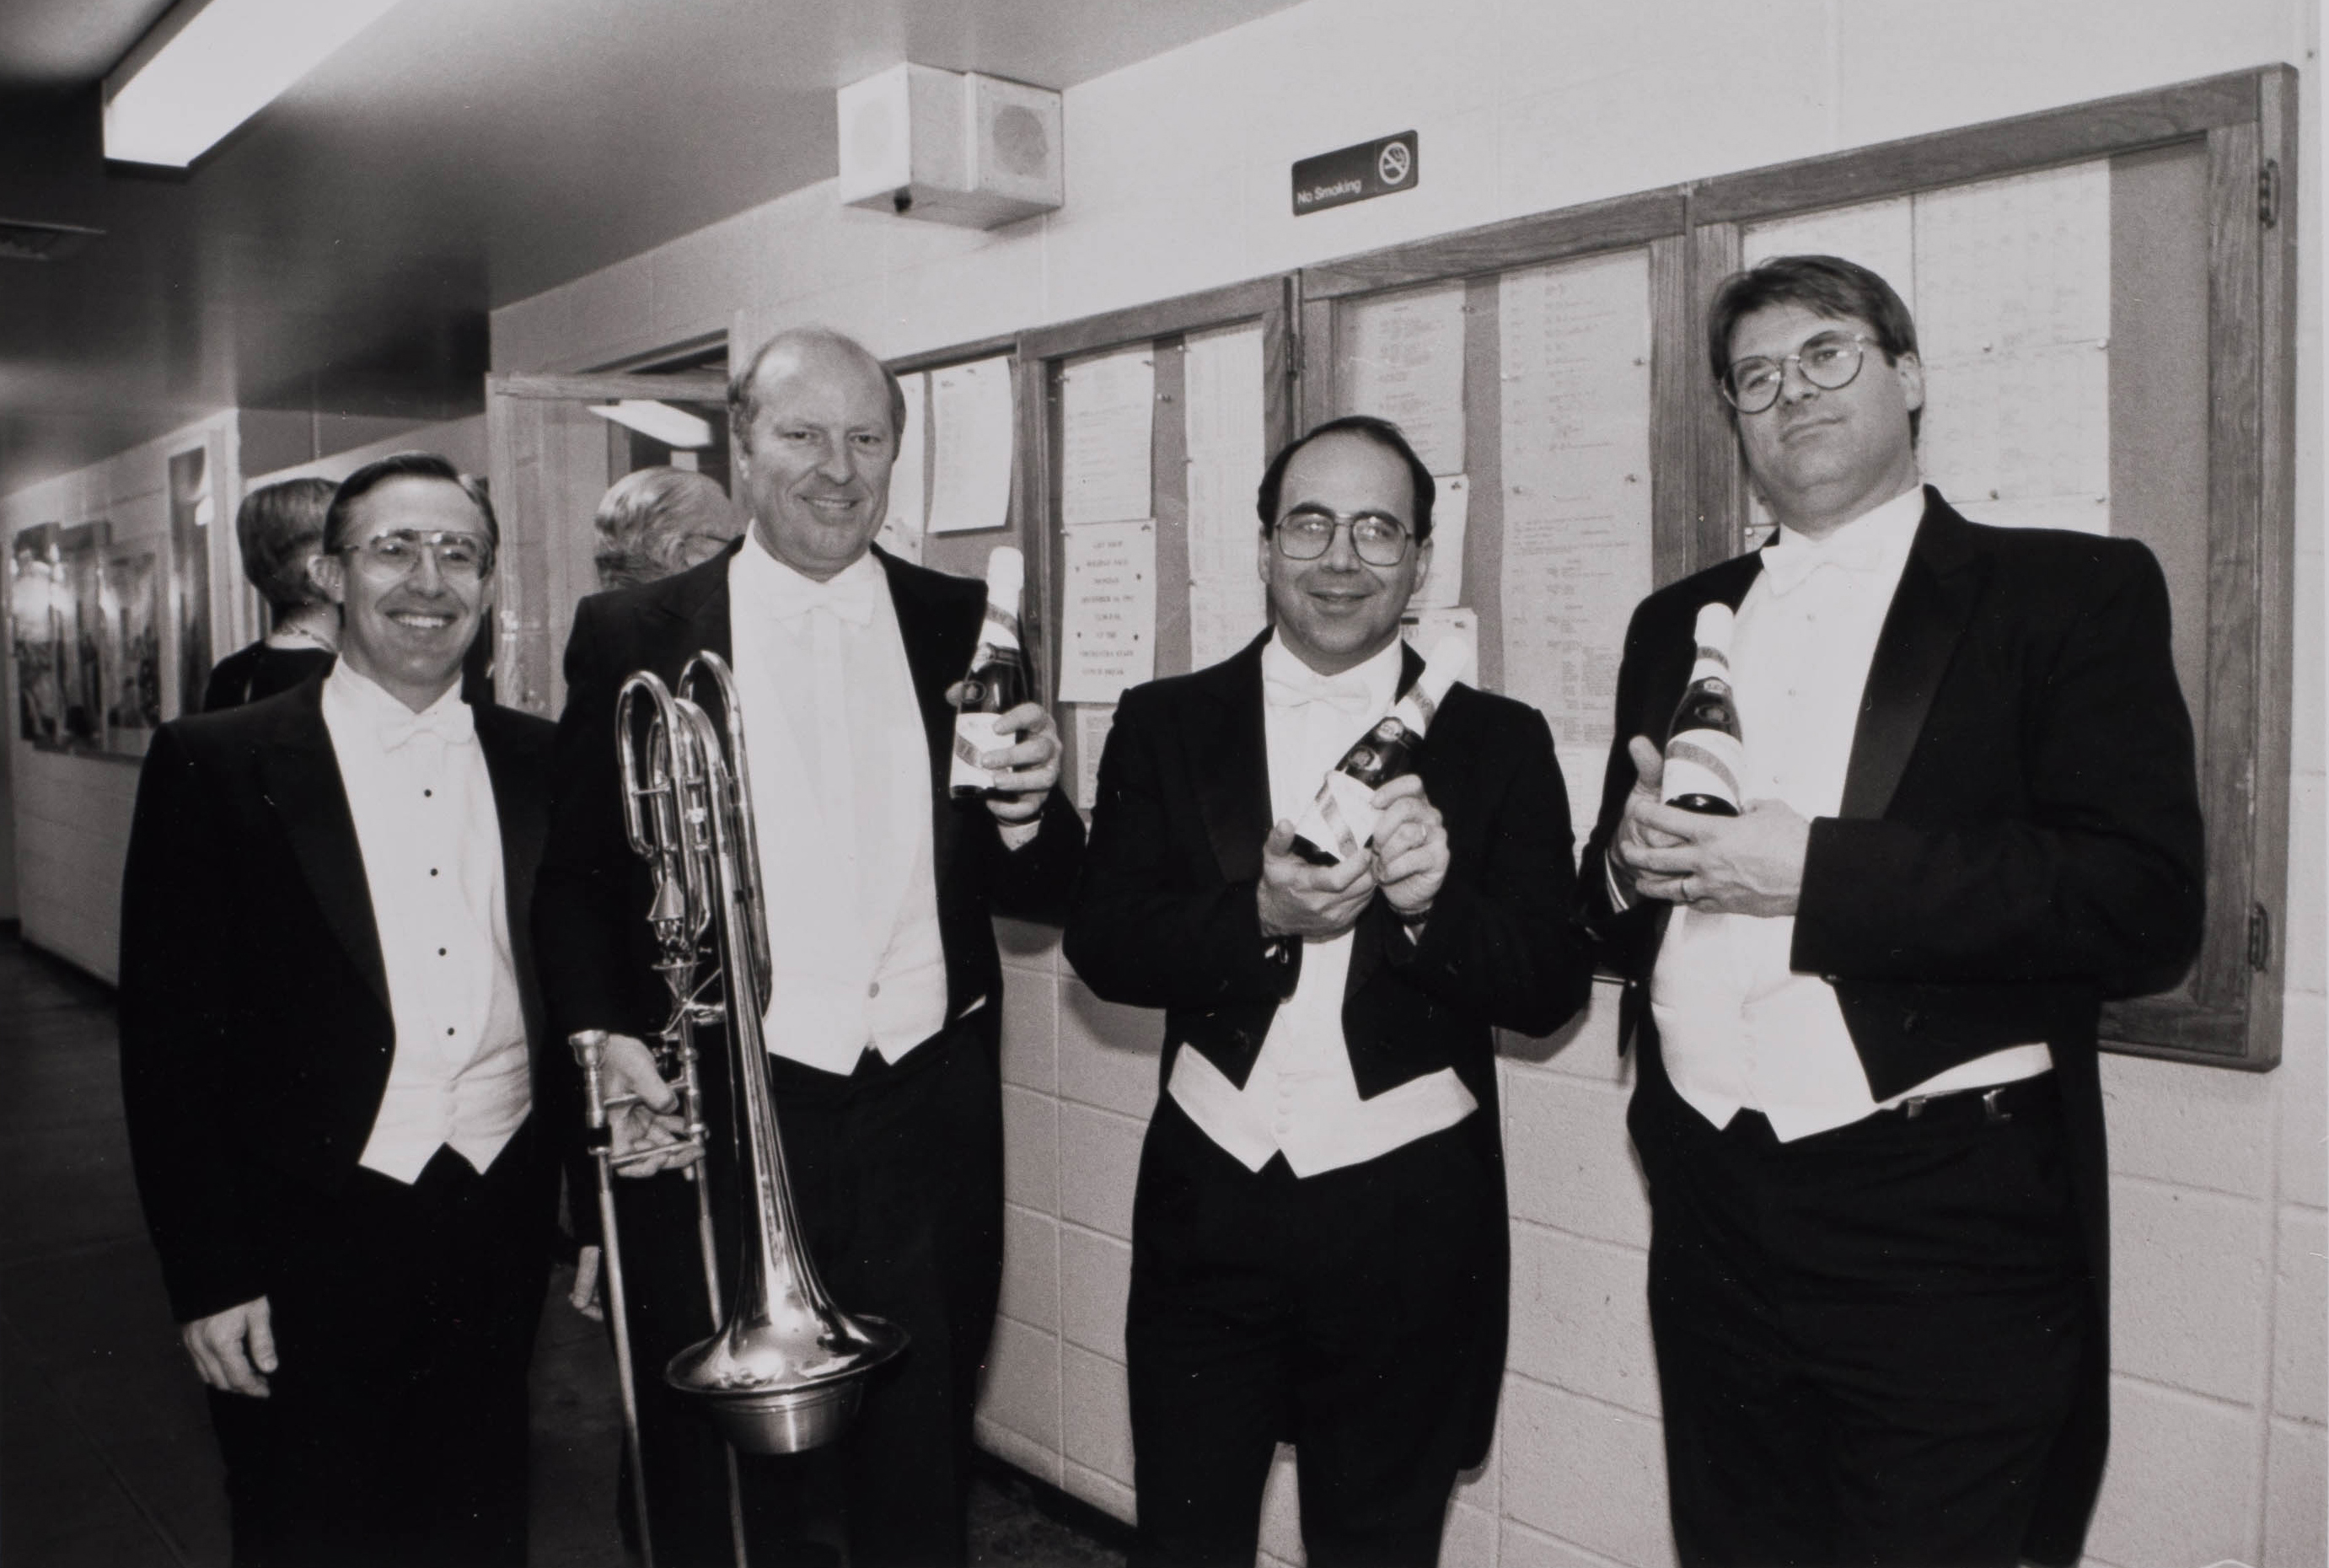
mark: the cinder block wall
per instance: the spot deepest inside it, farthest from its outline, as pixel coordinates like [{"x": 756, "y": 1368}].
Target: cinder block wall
[{"x": 1177, "y": 181}]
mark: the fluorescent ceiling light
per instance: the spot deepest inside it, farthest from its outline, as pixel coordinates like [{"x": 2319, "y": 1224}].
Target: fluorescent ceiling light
[
  {"x": 673, "y": 427},
  {"x": 209, "y": 65}
]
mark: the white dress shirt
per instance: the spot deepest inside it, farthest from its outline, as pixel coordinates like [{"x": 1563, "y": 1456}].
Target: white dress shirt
[
  {"x": 841, "y": 788},
  {"x": 1301, "y": 1099},
  {"x": 431, "y": 841},
  {"x": 1739, "y": 1027}
]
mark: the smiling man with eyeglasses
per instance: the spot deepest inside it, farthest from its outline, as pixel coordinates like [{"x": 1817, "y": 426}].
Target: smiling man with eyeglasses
[
  {"x": 1318, "y": 1229},
  {"x": 326, "y": 991},
  {"x": 1868, "y": 1104}
]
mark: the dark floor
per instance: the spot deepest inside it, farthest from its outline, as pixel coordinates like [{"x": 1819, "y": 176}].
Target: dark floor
[{"x": 105, "y": 1458}]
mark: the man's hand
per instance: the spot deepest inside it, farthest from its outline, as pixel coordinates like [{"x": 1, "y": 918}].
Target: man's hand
[
  {"x": 1410, "y": 848},
  {"x": 1297, "y": 898},
  {"x": 654, "y": 1127},
  {"x": 1634, "y": 833},
  {"x": 233, "y": 1350},
  {"x": 1026, "y": 773},
  {"x": 1750, "y": 864}
]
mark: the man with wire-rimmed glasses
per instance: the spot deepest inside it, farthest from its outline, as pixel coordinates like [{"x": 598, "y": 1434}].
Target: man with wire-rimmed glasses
[
  {"x": 1868, "y": 1103},
  {"x": 327, "y": 1021},
  {"x": 1319, "y": 1248}
]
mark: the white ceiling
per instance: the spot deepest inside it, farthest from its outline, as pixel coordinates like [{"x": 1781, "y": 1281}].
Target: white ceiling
[{"x": 339, "y": 251}]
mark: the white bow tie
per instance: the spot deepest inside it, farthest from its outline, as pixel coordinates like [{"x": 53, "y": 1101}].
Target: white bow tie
[
  {"x": 454, "y": 723},
  {"x": 848, "y": 596},
  {"x": 1300, "y": 687},
  {"x": 1789, "y": 562}
]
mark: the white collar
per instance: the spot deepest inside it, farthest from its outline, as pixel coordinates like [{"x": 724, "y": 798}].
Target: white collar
[
  {"x": 374, "y": 709},
  {"x": 1878, "y": 539},
  {"x": 1377, "y": 677},
  {"x": 770, "y": 586}
]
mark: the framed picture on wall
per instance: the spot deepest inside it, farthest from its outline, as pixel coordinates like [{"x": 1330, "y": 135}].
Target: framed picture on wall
[
  {"x": 82, "y": 551},
  {"x": 36, "y": 612},
  {"x": 131, "y": 600},
  {"x": 192, "y": 508}
]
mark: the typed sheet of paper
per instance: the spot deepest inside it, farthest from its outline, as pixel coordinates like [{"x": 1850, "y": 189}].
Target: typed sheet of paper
[
  {"x": 1224, "y": 409},
  {"x": 970, "y": 419},
  {"x": 1575, "y": 351},
  {"x": 1109, "y": 635}
]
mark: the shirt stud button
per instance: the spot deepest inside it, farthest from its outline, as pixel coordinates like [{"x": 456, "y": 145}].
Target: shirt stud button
[
  {"x": 432, "y": 871},
  {"x": 874, "y": 990}
]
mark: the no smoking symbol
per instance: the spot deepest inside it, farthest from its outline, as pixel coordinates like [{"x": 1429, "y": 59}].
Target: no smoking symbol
[{"x": 1393, "y": 162}]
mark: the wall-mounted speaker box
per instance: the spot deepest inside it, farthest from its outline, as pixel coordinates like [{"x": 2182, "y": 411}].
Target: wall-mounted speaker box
[{"x": 952, "y": 146}]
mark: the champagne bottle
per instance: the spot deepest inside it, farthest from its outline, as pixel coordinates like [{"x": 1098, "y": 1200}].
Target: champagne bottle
[
  {"x": 1340, "y": 821},
  {"x": 1704, "y": 753},
  {"x": 997, "y": 681}
]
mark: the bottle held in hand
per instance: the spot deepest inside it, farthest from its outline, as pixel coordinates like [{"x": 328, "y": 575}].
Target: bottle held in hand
[
  {"x": 1340, "y": 821},
  {"x": 997, "y": 681},
  {"x": 1704, "y": 754}
]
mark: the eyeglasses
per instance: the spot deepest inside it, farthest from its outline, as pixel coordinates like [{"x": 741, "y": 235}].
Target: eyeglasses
[
  {"x": 1828, "y": 361},
  {"x": 465, "y": 557},
  {"x": 1306, "y": 533}
]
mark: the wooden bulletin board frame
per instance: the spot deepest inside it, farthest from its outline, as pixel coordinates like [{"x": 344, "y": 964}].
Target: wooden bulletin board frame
[
  {"x": 1043, "y": 354},
  {"x": 2228, "y": 1012}
]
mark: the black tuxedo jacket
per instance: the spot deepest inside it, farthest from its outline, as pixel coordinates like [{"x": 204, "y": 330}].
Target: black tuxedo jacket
[
  {"x": 256, "y": 1033},
  {"x": 1165, "y": 913},
  {"x": 591, "y": 907},
  {"x": 2019, "y": 837}
]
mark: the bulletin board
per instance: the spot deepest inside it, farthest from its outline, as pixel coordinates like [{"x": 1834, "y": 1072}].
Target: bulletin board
[
  {"x": 2104, "y": 295},
  {"x": 1144, "y": 434}
]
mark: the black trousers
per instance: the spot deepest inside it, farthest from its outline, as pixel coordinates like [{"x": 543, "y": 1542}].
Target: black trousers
[
  {"x": 1867, "y": 1339},
  {"x": 1344, "y": 1313},
  {"x": 897, "y": 1175},
  {"x": 395, "y": 1429}
]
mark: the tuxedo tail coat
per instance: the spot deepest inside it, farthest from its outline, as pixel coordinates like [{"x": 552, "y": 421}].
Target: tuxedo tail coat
[
  {"x": 2019, "y": 839},
  {"x": 257, "y": 1033},
  {"x": 1166, "y": 915}
]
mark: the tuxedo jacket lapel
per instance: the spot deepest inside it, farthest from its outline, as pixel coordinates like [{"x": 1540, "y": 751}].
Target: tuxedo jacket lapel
[
  {"x": 936, "y": 657},
  {"x": 1930, "y": 610},
  {"x": 522, "y": 812},
  {"x": 301, "y": 778},
  {"x": 1376, "y": 921},
  {"x": 697, "y": 608},
  {"x": 1233, "y": 767}
]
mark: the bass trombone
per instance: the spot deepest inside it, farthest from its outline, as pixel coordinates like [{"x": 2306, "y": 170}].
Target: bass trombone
[{"x": 785, "y": 1368}]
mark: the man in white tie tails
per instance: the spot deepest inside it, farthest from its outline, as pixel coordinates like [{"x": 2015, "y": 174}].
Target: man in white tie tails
[
  {"x": 883, "y": 1024},
  {"x": 342, "y": 1141},
  {"x": 1868, "y": 1104},
  {"x": 1319, "y": 1248}
]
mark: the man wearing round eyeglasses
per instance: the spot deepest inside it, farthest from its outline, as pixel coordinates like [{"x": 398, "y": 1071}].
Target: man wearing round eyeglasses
[
  {"x": 326, "y": 1007},
  {"x": 1868, "y": 1105},
  {"x": 1319, "y": 1247}
]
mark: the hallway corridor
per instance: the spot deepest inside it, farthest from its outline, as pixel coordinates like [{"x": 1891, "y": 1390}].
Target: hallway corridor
[{"x": 105, "y": 1457}]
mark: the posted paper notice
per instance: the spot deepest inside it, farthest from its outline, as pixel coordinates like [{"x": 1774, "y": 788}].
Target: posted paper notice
[
  {"x": 1108, "y": 633},
  {"x": 970, "y": 416}
]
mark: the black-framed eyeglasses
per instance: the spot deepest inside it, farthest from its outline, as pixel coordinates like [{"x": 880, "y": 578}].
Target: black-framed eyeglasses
[
  {"x": 1828, "y": 361},
  {"x": 399, "y": 552},
  {"x": 1308, "y": 532}
]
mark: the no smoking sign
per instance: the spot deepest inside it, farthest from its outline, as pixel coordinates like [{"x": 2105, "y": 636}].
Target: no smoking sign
[{"x": 1355, "y": 174}]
